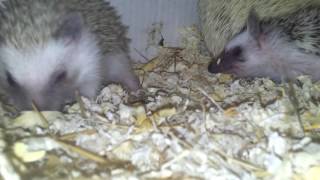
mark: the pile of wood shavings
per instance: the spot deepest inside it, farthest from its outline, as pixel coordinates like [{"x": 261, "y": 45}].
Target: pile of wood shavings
[{"x": 186, "y": 124}]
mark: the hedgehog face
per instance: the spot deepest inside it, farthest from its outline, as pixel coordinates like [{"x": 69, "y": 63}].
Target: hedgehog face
[
  {"x": 231, "y": 59},
  {"x": 49, "y": 74},
  {"x": 240, "y": 57},
  {"x": 247, "y": 54}
]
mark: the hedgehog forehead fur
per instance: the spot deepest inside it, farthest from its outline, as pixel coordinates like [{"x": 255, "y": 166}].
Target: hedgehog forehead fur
[{"x": 25, "y": 23}]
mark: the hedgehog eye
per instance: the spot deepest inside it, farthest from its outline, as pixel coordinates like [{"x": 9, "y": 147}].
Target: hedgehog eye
[
  {"x": 11, "y": 81},
  {"x": 237, "y": 51},
  {"x": 61, "y": 76}
]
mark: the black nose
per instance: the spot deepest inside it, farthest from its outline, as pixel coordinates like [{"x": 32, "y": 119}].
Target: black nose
[
  {"x": 213, "y": 67},
  {"x": 216, "y": 65},
  {"x": 210, "y": 67}
]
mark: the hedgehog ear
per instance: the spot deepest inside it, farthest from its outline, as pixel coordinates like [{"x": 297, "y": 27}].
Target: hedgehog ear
[
  {"x": 253, "y": 25},
  {"x": 70, "y": 29}
]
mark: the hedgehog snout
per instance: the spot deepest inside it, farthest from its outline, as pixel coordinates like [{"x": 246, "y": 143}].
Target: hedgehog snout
[
  {"x": 41, "y": 106},
  {"x": 213, "y": 67},
  {"x": 220, "y": 64},
  {"x": 41, "y": 103}
]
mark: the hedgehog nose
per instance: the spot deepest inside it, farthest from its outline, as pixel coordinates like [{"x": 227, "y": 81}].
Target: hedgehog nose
[
  {"x": 215, "y": 66},
  {"x": 211, "y": 68}
]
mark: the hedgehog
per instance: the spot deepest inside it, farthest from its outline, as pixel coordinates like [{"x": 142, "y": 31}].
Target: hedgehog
[
  {"x": 50, "y": 49},
  {"x": 221, "y": 20},
  {"x": 280, "y": 48}
]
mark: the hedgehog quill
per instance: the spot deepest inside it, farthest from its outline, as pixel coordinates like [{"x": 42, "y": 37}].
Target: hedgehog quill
[
  {"x": 51, "y": 48},
  {"x": 280, "y": 48}
]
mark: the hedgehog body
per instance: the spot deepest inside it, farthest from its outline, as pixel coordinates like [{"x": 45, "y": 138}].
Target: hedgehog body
[
  {"x": 281, "y": 48},
  {"x": 221, "y": 20},
  {"x": 51, "y": 48}
]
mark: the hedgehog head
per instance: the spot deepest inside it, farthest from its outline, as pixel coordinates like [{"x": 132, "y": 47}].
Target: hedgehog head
[
  {"x": 49, "y": 73},
  {"x": 259, "y": 50}
]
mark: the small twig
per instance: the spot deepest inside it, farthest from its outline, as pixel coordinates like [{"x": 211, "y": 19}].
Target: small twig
[
  {"x": 87, "y": 154},
  {"x": 176, "y": 159},
  {"x": 93, "y": 156},
  {"x": 295, "y": 103},
  {"x": 71, "y": 136},
  {"x": 103, "y": 119},
  {"x": 81, "y": 104},
  {"x": 161, "y": 42},
  {"x": 239, "y": 162},
  {"x": 42, "y": 117},
  {"x": 183, "y": 142},
  {"x": 211, "y": 99},
  {"x": 144, "y": 57}
]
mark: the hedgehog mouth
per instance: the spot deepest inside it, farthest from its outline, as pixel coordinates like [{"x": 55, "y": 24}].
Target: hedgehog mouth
[
  {"x": 230, "y": 68},
  {"x": 233, "y": 69}
]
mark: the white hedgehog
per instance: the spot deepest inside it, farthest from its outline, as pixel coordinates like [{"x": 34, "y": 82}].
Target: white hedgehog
[
  {"x": 222, "y": 19},
  {"x": 279, "y": 48},
  {"x": 51, "y": 48}
]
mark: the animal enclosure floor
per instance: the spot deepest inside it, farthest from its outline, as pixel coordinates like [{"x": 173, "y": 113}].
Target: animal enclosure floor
[{"x": 184, "y": 124}]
